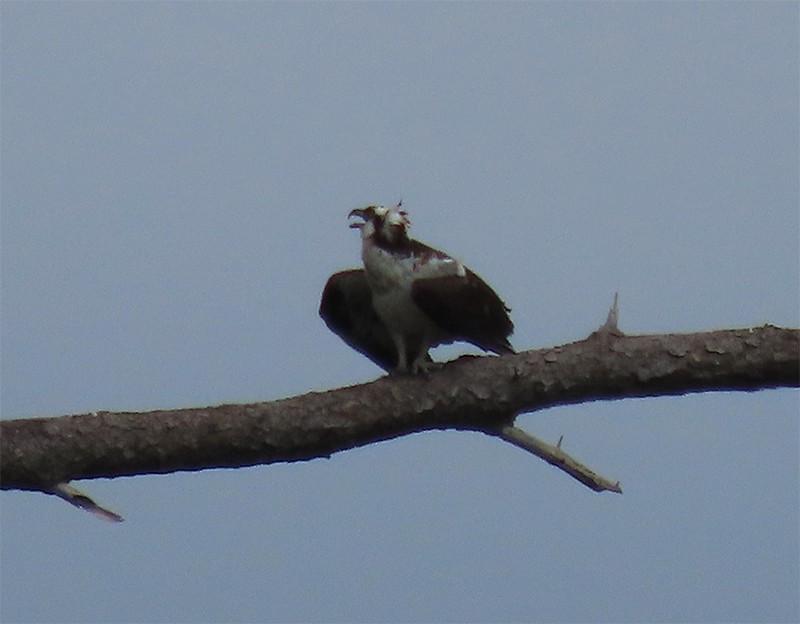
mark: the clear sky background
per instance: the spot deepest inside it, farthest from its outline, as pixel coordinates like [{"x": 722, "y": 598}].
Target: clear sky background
[{"x": 175, "y": 184}]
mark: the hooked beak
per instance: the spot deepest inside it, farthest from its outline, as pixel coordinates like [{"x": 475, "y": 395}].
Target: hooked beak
[{"x": 359, "y": 213}]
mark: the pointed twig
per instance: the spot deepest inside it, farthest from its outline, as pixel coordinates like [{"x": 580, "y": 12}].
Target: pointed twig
[
  {"x": 611, "y": 326},
  {"x": 77, "y": 498},
  {"x": 556, "y": 457},
  {"x": 612, "y": 319}
]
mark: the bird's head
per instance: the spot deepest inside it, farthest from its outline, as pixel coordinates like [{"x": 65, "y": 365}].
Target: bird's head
[{"x": 387, "y": 225}]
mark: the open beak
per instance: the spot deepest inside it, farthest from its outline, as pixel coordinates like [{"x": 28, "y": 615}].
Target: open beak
[{"x": 359, "y": 213}]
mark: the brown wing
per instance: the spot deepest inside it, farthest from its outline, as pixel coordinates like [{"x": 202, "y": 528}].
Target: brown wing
[
  {"x": 467, "y": 309},
  {"x": 346, "y": 308}
]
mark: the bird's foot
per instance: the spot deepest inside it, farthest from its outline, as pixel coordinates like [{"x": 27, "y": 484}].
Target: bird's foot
[
  {"x": 418, "y": 369},
  {"x": 424, "y": 368}
]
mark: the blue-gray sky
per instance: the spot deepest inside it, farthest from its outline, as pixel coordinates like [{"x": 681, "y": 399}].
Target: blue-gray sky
[{"x": 175, "y": 184}]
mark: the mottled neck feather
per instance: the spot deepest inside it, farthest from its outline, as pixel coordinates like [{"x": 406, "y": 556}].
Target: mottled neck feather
[{"x": 402, "y": 245}]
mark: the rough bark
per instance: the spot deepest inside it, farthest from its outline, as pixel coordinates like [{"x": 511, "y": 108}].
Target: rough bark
[{"x": 472, "y": 393}]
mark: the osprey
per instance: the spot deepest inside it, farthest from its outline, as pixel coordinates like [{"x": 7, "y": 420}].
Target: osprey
[{"x": 419, "y": 297}]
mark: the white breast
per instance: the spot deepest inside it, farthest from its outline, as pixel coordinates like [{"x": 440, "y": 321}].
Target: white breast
[{"x": 391, "y": 277}]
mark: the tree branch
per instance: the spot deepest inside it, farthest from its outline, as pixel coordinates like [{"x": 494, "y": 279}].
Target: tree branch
[
  {"x": 554, "y": 456},
  {"x": 472, "y": 393}
]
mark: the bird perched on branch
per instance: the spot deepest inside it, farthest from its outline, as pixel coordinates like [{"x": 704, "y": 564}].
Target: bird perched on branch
[{"x": 410, "y": 298}]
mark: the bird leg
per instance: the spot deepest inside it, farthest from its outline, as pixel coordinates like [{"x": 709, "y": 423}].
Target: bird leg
[
  {"x": 412, "y": 356},
  {"x": 402, "y": 354}
]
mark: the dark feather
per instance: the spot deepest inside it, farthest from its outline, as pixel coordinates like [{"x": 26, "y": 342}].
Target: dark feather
[
  {"x": 346, "y": 308},
  {"x": 466, "y": 308}
]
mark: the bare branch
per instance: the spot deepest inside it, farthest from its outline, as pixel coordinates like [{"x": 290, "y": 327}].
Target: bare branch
[
  {"x": 471, "y": 393},
  {"x": 556, "y": 457},
  {"x": 81, "y": 500}
]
